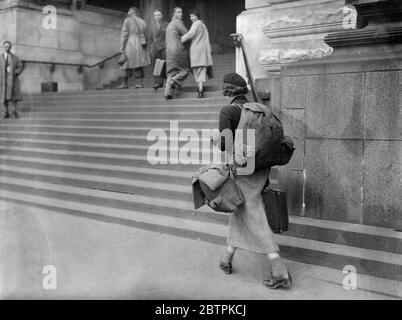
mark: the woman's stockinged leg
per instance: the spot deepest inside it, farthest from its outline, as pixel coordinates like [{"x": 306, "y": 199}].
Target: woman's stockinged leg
[
  {"x": 226, "y": 262},
  {"x": 200, "y": 90},
  {"x": 229, "y": 254}
]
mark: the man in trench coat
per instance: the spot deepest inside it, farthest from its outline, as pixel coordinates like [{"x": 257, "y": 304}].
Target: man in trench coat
[
  {"x": 177, "y": 57},
  {"x": 10, "y": 68},
  {"x": 137, "y": 53}
]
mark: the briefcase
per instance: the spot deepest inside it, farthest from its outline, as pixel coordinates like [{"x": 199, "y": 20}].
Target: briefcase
[
  {"x": 276, "y": 209},
  {"x": 160, "y": 67}
]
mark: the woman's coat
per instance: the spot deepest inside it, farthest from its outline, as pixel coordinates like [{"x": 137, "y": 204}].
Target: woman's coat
[
  {"x": 136, "y": 54},
  {"x": 200, "y": 50},
  {"x": 9, "y": 82}
]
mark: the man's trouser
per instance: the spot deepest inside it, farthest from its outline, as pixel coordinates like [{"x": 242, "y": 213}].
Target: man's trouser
[
  {"x": 175, "y": 80},
  {"x": 158, "y": 80},
  {"x": 10, "y": 107}
]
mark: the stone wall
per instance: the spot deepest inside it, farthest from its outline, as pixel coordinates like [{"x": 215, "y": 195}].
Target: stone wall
[
  {"x": 346, "y": 119},
  {"x": 84, "y": 36},
  {"x": 340, "y": 100}
]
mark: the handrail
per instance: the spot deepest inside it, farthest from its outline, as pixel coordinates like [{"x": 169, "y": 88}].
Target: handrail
[
  {"x": 238, "y": 40},
  {"x": 101, "y": 63}
]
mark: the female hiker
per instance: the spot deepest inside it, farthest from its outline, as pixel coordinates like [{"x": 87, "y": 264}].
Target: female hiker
[{"x": 248, "y": 227}]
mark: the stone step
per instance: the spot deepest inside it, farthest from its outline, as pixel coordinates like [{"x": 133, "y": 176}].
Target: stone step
[
  {"x": 145, "y": 109},
  {"x": 126, "y": 124},
  {"x": 107, "y": 92},
  {"x": 130, "y": 95},
  {"x": 131, "y": 186},
  {"x": 127, "y": 151},
  {"x": 115, "y": 140},
  {"x": 112, "y": 115},
  {"x": 92, "y": 158},
  {"x": 219, "y": 102},
  {"x": 52, "y": 129},
  {"x": 109, "y": 204}
]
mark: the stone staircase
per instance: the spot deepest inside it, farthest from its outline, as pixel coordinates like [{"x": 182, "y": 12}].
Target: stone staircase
[
  {"x": 85, "y": 154},
  {"x": 223, "y": 63}
]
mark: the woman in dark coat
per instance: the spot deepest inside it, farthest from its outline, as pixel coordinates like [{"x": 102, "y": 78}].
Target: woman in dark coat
[{"x": 248, "y": 227}]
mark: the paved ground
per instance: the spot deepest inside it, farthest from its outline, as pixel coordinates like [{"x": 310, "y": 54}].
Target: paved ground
[{"x": 112, "y": 261}]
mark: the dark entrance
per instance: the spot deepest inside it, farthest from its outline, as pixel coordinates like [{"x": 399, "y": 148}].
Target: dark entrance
[{"x": 218, "y": 15}]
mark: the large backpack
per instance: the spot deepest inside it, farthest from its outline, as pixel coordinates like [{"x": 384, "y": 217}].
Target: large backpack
[{"x": 271, "y": 148}]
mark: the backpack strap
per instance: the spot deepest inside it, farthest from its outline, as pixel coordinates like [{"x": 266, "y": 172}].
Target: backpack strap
[{"x": 237, "y": 105}]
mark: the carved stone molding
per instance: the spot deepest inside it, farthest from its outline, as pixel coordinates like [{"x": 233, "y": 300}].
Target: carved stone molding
[
  {"x": 296, "y": 30},
  {"x": 384, "y": 18},
  {"x": 368, "y": 36}
]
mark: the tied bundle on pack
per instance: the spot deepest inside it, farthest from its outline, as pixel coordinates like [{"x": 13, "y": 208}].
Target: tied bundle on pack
[{"x": 216, "y": 186}]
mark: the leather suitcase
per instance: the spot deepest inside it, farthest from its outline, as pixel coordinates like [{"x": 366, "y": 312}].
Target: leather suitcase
[{"x": 276, "y": 209}]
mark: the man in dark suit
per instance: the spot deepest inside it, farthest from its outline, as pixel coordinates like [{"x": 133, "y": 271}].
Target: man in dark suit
[
  {"x": 158, "y": 45},
  {"x": 10, "y": 68}
]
